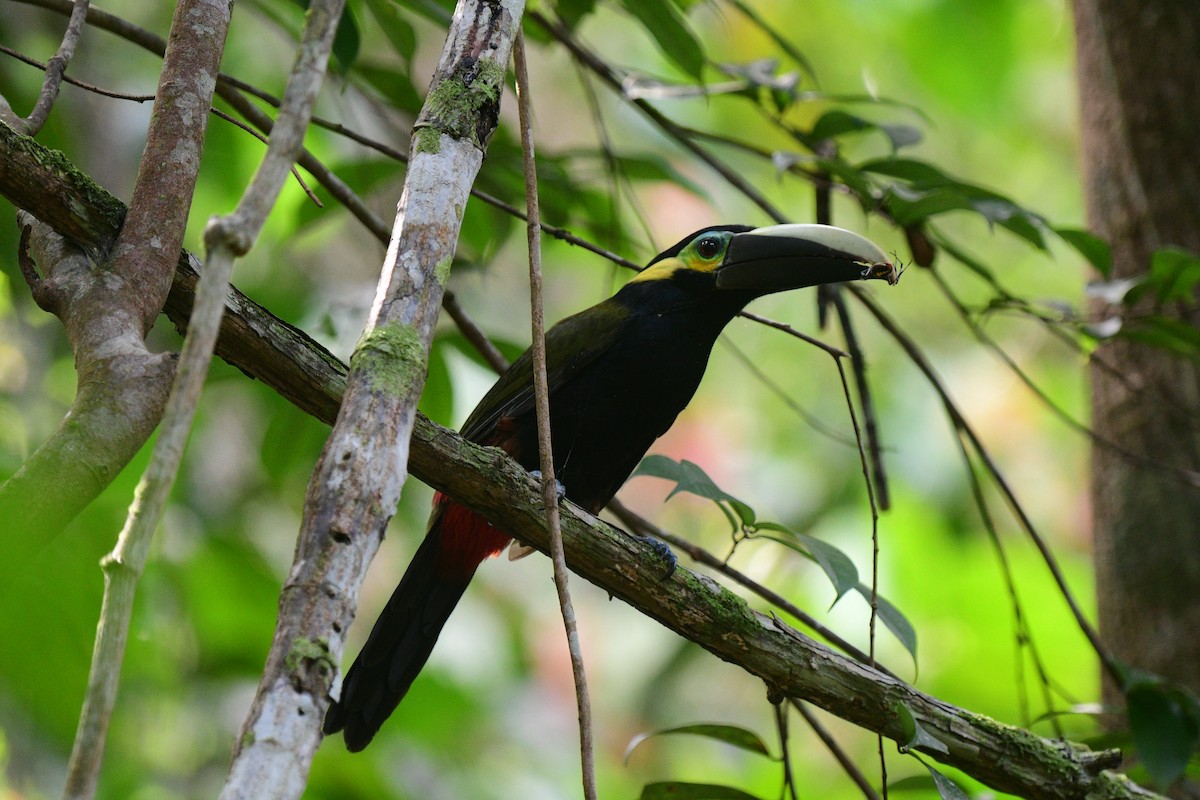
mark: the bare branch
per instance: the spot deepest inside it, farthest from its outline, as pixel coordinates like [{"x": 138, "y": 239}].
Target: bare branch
[
  {"x": 124, "y": 566},
  {"x": 144, "y": 256},
  {"x": 358, "y": 478},
  {"x": 541, "y": 391},
  {"x": 55, "y": 69}
]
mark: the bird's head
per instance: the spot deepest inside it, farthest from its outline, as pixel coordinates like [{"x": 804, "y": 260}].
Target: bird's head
[{"x": 751, "y": 262}]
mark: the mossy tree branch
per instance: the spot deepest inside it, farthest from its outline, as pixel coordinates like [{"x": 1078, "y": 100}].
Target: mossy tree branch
[{"x": 1004, "y": 757}]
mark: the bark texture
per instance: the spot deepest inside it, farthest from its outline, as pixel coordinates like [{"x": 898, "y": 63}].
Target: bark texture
[{"x": 1139, "y": 66}]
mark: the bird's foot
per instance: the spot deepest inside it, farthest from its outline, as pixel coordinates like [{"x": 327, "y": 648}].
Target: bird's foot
[
  {"x": 560, "y": 491},
  {"x": 664, "y": 553}
]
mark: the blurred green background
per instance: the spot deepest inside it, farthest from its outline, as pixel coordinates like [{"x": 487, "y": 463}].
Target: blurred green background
[{"x": 493, "y": 714}]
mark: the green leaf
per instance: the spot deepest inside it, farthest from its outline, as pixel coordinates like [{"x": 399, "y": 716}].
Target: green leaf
[
  {"x": 671, "y": 32},
  {"x": 907, "y": 169},
  {"x": 733, "y": 735},
  {"x": 1162, "y": 731},
  {"x": 837, "y": 565},
  {"x": 690, "y": 478},
  {"x": 947, "y": 789},
  {"x": 1164, "y": 332},
  {"x": 391, "y": 84},
  {"x": 915, "y": 736},
  {"x": 572, "y": 12},
  {"x": 346, "y": 40},
  {"x": 1091, "y": 247},
  {"x": 656, "y": 466},
  {"x": 893, "y": 620},
  {"x": 398, "y": 30},
  {"x": 1174, "y": 274},
  {"x": 437, "y": 398},
  {"x": 674, "y": 790},
  {"x": 834, "y": 123},
  {"x": 439, "y": 12}
]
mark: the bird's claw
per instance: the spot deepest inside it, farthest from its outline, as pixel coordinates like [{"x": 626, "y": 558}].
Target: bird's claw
[
  {"x": 664, "y": 552},
  {"x": 560, "y": 491}
]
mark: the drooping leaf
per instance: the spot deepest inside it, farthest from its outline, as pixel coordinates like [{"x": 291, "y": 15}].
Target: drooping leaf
[
  {"x": 572, "y": 12},
  {"x": 690, "y": 478},
  {"x": 1162, "y": 731},
  {"x": 1174, "y": 274},
  {"x": 838, "y": 122},
  {"x": 395, "y": 27},
  {"x": 675, "y": 790},
  {"x": 1164, "y": 332},
  {"x": 894, "y": 621},
  {"x": 947, "y": 789},
  {"x": 671, "y": 33},
  {"x": 837, "y": 565},
  {"x": 915, "y": 735},
  {"x": 1091, "y": 247},
  {"x": 346, "y": 40},
  {"x": 738, "y": 737},
  {"x": 392, "y": 84},
  {"x": 439, "y": 12}
]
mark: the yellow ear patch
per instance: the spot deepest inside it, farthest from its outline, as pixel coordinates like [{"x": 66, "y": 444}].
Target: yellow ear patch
[{"x": 659, "y": 271}]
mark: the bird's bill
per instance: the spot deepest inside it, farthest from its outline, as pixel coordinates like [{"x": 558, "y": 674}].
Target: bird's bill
[{"x": 782, "y": 257}]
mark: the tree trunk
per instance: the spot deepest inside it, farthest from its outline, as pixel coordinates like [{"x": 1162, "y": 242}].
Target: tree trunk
[{"x": 1139, "y": 70}]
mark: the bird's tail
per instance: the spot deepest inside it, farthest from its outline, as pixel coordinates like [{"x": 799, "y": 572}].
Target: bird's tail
[{"x": 404, "y": 635}]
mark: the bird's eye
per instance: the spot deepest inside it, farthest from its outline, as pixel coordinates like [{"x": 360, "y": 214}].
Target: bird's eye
[{"x": 708, "y": 247}]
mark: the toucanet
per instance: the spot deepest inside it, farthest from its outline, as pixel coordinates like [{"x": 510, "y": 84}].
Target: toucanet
[{"x": 619, "y": 373}]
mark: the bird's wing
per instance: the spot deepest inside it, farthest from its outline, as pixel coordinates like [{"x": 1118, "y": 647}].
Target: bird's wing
[{"x": 570, "y": 345}]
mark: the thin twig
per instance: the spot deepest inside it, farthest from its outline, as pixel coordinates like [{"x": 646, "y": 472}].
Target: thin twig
[
  {"x": 542, "y": 405},
  {"x": 847, "y": 764},
  {"x": 33, "y": 62},
  {"x": 55, "y": 69},
  {"x": 608, "y": 75},
  {"x": 960, "y": 423},
  {"x": 145, "y": 98},
  {"x": 781, "y": 727}
]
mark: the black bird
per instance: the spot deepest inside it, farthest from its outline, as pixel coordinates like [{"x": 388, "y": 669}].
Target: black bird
[{"x": 619, "y": 373}]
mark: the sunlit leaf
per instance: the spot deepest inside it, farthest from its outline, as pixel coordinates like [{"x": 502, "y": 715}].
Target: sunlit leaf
[{"x": 741, "y": 738}]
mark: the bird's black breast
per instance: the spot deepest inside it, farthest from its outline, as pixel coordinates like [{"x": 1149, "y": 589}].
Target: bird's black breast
[{"x": 605, "y": 418}]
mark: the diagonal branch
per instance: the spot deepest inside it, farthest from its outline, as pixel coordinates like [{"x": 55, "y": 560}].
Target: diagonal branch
[{"x": 1004, "y": 757}]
